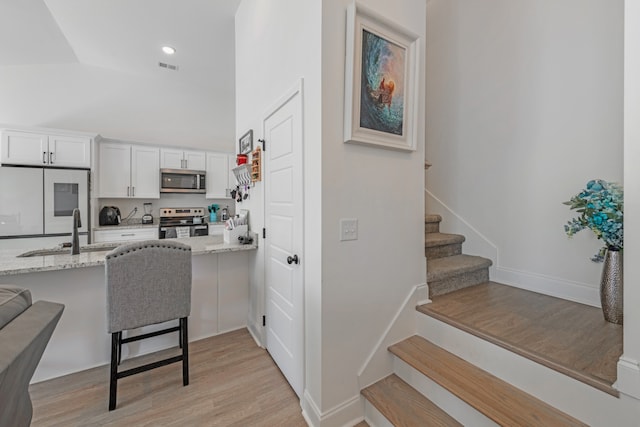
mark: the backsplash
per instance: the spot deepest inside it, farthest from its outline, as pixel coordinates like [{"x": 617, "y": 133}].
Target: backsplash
[{"x": 167, "y": 200}]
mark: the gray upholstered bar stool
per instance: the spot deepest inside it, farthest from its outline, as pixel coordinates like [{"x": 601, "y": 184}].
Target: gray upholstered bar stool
[{"x": 148, "y": 282}]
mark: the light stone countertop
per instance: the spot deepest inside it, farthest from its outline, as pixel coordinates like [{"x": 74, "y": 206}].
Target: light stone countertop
[{"x": 10, "y": 264}]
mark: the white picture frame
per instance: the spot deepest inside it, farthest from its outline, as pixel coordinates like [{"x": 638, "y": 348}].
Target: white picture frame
[{"x": 381, "y": 102}]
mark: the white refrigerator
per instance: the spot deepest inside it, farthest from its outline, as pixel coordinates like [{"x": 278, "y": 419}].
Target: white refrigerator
[{"x": 38, "y": 202}]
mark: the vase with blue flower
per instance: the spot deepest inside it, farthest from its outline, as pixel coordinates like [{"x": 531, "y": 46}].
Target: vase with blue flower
[{"x": 601, "y": 209}]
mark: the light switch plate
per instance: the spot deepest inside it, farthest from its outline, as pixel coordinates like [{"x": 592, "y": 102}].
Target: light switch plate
[{"x": 348, "y": 229}]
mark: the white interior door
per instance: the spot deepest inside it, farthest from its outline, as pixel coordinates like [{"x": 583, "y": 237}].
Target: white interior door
[{"x": 284, "y": 260}]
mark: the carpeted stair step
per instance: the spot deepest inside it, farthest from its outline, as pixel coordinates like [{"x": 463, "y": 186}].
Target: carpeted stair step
[
  {"x": 498, "y": 400},
  {"x": 402, "y": 405},
  {"x": 440, "y": 245},
  {"x": 432, "y": 223},
  {"x": 455, "y": 272}
]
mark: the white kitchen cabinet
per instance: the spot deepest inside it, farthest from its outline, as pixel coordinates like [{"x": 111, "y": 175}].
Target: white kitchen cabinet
[
  {"x": 171, "y": 158},
  {"x": 125, "y": 235},
  {"x": 39, "y": 149},
  {"x": 145, "y": 172},
  {"x": 217, "y": 173},
  {"x": 128, "y": 171}
]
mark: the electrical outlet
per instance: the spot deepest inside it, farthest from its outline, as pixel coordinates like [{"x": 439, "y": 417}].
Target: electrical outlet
[{"x": 348, "y": 229}]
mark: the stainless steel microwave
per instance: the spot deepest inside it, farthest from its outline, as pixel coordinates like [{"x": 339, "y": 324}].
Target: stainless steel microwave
[{"x": 182, "y": 181}]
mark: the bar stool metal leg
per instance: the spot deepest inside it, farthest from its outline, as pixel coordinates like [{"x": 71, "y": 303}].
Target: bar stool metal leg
[
  {"x": 113, "y": 376},
  {"x": 185, "y": 350}
]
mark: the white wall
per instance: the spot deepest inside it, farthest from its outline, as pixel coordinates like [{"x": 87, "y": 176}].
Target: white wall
[
  {"x": 277, "y": 43},
  {"x": 352, "y": 289},
  {"x": 364, "y": 282},
  {"x": 629, "y": 365},
  {"x": 524, "y": 106},
  {"x": 116, "y": 105}
]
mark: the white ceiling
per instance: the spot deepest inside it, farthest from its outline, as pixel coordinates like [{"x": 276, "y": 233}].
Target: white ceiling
[{"x": 124, "y": 35}]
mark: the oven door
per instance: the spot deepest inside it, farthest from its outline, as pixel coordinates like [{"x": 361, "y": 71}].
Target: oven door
[
  {"x": 182, "y": 181},
  {"x": 173, "y": 231}
]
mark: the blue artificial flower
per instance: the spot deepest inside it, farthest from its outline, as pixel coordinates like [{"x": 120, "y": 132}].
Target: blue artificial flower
[{"x": 601, "y": 210}]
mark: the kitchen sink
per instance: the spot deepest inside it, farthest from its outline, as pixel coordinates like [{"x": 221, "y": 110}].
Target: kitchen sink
[{"x": 66, "y": 251}]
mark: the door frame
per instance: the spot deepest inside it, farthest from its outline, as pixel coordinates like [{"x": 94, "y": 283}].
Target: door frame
[{"x": 297, "y": 88}]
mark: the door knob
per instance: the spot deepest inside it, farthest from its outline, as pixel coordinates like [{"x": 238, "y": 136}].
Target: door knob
[{"x": 292, "y": 259}]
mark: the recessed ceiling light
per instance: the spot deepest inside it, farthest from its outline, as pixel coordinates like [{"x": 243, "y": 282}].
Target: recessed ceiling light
[{"x": 168, "y": 50}]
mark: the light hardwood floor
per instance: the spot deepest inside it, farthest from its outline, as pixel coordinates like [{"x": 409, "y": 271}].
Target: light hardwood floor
[{"x": 233, "y": 382}]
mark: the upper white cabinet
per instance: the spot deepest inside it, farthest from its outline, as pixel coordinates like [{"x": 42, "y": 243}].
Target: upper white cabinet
[
  {"x": 218, "y": 177},
  {"x": 126, "y": 170},
  {"x": 171, "y": 158},
  {"x": 39, "y": 149}
]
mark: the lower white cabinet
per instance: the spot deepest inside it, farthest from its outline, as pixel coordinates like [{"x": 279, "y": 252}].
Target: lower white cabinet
[{"x": 124, "y": 235}]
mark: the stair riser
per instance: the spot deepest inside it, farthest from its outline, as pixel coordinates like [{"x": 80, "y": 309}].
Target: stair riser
[
  {"x": 443, "y": 251},
  {"x": 459, "y": 281},
  {"x": 449, "y": 403},
  {"x": 373, "y": 417},
  {"x": 568, "y": 395},
  {"x": 432, "y": 227}
]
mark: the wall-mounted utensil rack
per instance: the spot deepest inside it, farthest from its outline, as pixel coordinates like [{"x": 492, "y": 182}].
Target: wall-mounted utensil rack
[{"x": 243, "y": 174}]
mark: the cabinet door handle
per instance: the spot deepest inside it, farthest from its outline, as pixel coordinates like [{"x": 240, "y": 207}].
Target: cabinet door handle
[
  {"x": 128, "y": 191},
  {"x": 133, "y": 191},
  {"x": 44, "y": 157},
  {"x": 51, "y": 157},
  {"x": 127, "y": 234}
]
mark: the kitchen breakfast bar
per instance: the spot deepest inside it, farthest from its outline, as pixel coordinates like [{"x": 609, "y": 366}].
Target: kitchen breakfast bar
[{"x": 219, "y": 300}]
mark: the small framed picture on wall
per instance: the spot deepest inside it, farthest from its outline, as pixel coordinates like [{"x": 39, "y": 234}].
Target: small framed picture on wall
[{"x": 246, "y": 142}]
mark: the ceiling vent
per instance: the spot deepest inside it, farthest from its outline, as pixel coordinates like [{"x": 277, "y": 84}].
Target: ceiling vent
[{"x": 168, "y": 66}]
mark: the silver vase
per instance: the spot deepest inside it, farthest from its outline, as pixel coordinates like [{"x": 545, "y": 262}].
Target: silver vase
[{"x": 611, "y": 286}]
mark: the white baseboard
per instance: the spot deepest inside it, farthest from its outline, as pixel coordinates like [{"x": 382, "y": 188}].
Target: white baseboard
[
  {"x": 379, "y": 363},
  {"x": 345, "y": 414},
  {"x": 556, "y": 287},
  {"x": 256, "y": 333},
  {"x": 628, "y": 377}
]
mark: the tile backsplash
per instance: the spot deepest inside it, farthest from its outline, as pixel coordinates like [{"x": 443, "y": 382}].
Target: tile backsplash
[{"x": 166, "y": 201}]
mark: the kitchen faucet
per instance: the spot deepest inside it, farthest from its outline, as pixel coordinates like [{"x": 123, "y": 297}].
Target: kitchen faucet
[{"x": 75, "y": 241}]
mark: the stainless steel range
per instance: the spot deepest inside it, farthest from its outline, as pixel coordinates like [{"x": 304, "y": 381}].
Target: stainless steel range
[{"x": 182, "y": 222}]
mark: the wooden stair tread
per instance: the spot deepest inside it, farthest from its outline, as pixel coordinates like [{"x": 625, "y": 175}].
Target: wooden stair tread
[
  {"x": 440, "y": 239},
  {"x": 496, "y": 399},
  {"x": 402, "y": 405},
  {"x": 568, "y": 337},
  {"x": 442, "y": 268}
]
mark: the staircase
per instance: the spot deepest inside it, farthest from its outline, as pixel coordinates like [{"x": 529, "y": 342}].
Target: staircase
[
  {"x": 449, "y": 375},
  {"x": 448, "y": 269}
]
